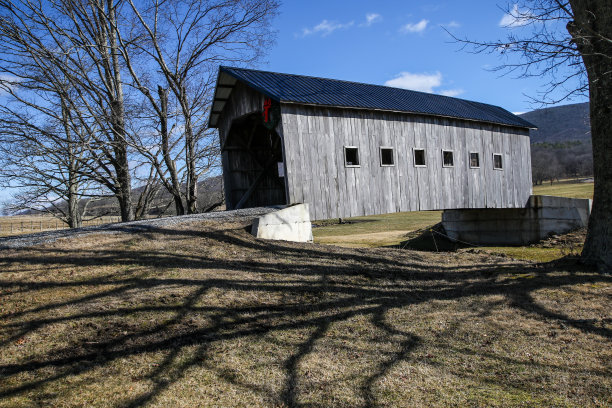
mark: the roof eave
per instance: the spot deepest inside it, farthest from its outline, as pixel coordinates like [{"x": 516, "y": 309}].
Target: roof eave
[
  {"x": 227, "y": 70},
  {"x": 410, "y": 113}
]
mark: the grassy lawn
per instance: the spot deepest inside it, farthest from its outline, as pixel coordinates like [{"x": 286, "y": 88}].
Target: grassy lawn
[
  {"x": 566, "y": 188},
  {"x": 205, "y": 315},
  {"x": 374, "y": 231}
]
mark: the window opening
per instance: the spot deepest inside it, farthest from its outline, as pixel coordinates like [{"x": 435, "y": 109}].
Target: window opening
[
  {"x": 447, "y": 158},
  {"x": 497, "y": 161},
  {"x": 474, "y": 160},
  {"x": 386, "y": 156},
  {"x": 351, "y": 156},
  {"x": 419, "y": 157}
]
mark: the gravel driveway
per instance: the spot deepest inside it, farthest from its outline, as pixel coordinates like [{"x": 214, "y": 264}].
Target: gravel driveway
[{"x": 27, "y": 240}]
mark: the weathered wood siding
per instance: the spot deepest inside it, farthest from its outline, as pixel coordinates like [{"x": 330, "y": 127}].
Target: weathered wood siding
[
  {"x": 242, "y": 101},
  {"x": 314, "y": 140}
]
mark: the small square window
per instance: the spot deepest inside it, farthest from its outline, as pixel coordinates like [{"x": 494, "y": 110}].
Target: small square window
[
  {"x": 386, "y": 156},
  {"x": 447, "y": 158},
  {"x": 497, "y": 161},
  {"x": 351, "y": 156},
  {"x": 474, "y": 160},
  {"x": 419, "y": 157}
]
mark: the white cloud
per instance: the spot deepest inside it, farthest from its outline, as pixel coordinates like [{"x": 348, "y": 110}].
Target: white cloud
[
  {"x": 372, "y": 18},
  {"x": 326, "y": 27},
  {"x": 415, "y": 28},
  {"x": 516, "y": 18},
  {"x": 8, "y": 83},
  {"x": 518, "y": 113},
  {"x": 416, "y": 82},
  {"x": 423, "y": 83},
  {"x": 451, "y": 92},
  {"x": 453, "y": 24}
]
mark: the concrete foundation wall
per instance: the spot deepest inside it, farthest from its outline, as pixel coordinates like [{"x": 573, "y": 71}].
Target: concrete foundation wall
[
  {"x": 541, "y": 217},
  {"x": 288, "y": 224}
]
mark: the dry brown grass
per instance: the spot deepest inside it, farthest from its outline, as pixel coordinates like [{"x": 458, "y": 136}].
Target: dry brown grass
[
  {"x": 205, "y": 315},
  {"x": 27, "y": 224}
]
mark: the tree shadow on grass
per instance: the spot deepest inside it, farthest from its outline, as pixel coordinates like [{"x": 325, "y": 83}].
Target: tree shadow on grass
[{"x": 312, "y": 289}]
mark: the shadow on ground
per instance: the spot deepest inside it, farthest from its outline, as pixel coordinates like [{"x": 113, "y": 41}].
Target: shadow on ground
[{"x": 182, "y": 295}]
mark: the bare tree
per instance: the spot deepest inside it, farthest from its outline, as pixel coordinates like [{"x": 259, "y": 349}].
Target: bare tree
[
  {"x": 185, "y": 40},
  {"x": 140, "y": 75},
  {"x": 43, "y": 148},
  {"x": 75, "y": 41},
  {"x": 42, "y": 159},
  {"x": 570, "y": 42}
]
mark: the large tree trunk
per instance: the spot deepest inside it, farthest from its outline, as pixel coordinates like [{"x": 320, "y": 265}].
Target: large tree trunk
[
  {"x": 592, "y": 33},
  {"x": 121, "y": 162},
  {"x": 190, "y": 154},
  {"x": 74, "y": 214},
  {"x": 192, "y": 177}
]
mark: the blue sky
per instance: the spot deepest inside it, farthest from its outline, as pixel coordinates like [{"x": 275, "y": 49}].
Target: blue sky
[{"x": 400, "y": 43}]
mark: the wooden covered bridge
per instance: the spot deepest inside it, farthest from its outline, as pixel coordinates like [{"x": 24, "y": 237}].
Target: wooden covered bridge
[{"x": 350, "y": 149}]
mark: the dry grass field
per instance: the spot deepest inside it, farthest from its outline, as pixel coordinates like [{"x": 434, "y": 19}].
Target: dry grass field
[
  {"x": 205, "y": 315},
  {"x": 566, "y": 188},
  {"x": 27, "y": 224}
]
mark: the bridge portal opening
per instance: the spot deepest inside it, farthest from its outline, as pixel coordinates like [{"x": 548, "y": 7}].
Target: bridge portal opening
[{"x": 255, "y": 172}]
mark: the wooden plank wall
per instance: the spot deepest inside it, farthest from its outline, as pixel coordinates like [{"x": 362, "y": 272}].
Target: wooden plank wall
[{"x": 314, "y": 140}]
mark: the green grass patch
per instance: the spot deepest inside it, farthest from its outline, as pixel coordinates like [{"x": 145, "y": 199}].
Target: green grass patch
[
  {"x": 403, "y": 221},
  {"x": 565, "y": 188},
  {"x": 528, "y": 253}
]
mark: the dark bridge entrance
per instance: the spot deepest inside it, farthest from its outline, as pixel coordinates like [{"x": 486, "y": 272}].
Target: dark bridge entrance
[{"x": 253, "y": 156}]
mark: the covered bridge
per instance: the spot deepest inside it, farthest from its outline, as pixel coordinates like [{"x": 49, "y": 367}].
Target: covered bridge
[{"x": 350, "y": 149}]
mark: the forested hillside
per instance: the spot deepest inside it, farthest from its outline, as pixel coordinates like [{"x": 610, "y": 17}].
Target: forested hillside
[
  {"x": 560, "y": 123},
  {"x": 561, "y": 146}
]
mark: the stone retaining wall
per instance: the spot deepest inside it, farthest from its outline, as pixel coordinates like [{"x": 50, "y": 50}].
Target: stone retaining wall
[{"x": 541, "y": 217}]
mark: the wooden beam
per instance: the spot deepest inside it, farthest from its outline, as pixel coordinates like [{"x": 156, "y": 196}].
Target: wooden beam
[{"x": 256, "y": 182}]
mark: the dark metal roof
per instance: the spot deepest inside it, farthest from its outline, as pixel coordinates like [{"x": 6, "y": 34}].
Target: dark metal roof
[{"x": 332, "y": 92}]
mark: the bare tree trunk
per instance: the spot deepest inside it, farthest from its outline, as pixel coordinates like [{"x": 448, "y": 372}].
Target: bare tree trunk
[
  {"x": 124, "y": 193},
  {"x": 74, "y": 214},
  {"x": 592, "y": 32},
  {"x": 121, "y": 164},
  {"x": 190, "y": 155},
  {"x": 74, "y": 217},
  {"x": 175, "y": 190}
]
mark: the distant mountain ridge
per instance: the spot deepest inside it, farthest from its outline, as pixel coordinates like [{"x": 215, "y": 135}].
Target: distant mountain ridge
[
  {"x": 210, "y": 192},
  {"x": 560, "y": 123}
]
